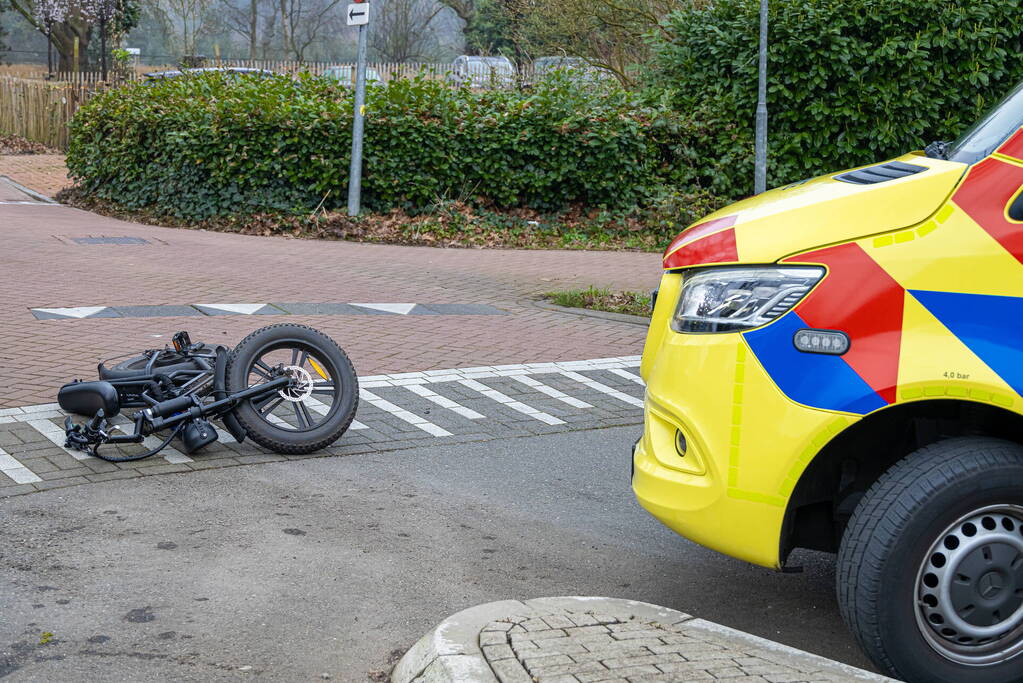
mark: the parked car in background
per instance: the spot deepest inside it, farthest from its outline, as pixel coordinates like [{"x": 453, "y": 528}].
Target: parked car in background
[
  {"x": 577, "y": 68},
  {"x": 345, "y": 75},
  {"x": 482, "y": 72},
  {"x": 233, "y": 70}
]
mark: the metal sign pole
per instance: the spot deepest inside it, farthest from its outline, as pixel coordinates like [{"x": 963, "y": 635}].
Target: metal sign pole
[
  {"x": 355, "y": 171},
  {"x": 760, "y": 171}
]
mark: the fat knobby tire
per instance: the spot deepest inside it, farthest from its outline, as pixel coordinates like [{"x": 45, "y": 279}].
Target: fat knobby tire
[
  {"x": 891, "y": 530},
  {"x": 284, "y": 441}
]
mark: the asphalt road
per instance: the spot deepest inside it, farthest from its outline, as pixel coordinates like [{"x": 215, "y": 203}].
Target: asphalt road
[{"x": 332, "y": 567}]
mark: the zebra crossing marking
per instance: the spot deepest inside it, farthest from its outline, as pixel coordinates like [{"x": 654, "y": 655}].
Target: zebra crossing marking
[
  {"x": 15, "y": 471},
  {"x": 444, "y": 402},
  {"x": 506, "y": 400},
  {"x": 402, "y": 414}
]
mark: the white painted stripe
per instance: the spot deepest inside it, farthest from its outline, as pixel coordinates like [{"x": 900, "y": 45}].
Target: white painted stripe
[
  {"x": 551, "y": 391},
  {"x": 224, "y": 436},
  {"x": 506, "y": 400},
  {"x": 7, "y": 202},
  {"x": 400, "y": 309},
  {"x": 15, "y": 471},
  {"x": 243, "y": 309},
  {"x": 44, "y": 415},
  {"x": 57, "y": 436},
  {"x": 74, "y": 312},
  {"x": 322, "y": 408},
  {"x": 41, "y": 408},
  {"x": 603, "y": 388},
  {"x": 444, "y": 402},
  {"x": 627, "y": 375},
  {"x": 402, "y": 414}
]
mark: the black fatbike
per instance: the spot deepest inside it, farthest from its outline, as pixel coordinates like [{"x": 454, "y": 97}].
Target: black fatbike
[{"x": 289, "y": 388}]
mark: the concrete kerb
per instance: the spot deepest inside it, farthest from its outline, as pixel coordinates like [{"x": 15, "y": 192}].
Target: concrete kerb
[
  {"x": 31, "y": 193},
  {"x": 451, "y": 650},
  {"x": 601, "y": 315}
]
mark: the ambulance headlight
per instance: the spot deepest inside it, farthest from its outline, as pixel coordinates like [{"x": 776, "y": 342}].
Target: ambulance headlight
[{"x": 736, "y": 299}]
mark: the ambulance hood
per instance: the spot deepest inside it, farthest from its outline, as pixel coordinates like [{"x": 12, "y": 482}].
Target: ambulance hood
[{"x": 815, "y": 213}]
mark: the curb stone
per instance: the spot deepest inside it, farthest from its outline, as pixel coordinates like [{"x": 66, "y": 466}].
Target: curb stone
[
  {"x": 603, "y": 630},
  {"x": 589, "y": 313}
]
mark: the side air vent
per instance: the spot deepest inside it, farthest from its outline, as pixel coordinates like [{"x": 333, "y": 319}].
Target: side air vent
[{"x": 880, "y": 173}]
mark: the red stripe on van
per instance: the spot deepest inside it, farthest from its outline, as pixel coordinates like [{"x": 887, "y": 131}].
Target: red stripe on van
[
  {"x": 985, "y": 196},
  {"x": 718, "y": 247},
  {"x": 859, "y": 298}
]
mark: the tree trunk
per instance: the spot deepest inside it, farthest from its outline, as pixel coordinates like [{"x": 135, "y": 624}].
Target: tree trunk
[
  {"x": 103, "y": 47},
  {"x": 253, "y": 25},
  {"x": 64, "y": 34},
  {"x": 284, "y": 29}
]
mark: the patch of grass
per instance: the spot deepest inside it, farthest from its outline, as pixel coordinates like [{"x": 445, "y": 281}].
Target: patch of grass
[{"x": 629, "y": 303}]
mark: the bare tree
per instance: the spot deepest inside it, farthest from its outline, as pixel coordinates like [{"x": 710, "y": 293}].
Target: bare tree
[
  {"x": 253, "y": 20},
  {"x": 305, "y": 22},
  {"x": 404, "y": 31},
  {"x": 186, "y": 21},
  {"x": 611, "y": 34}
]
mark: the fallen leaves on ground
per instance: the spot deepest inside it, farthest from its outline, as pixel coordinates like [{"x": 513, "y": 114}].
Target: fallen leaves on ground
[{"x": 13, "y": 144}]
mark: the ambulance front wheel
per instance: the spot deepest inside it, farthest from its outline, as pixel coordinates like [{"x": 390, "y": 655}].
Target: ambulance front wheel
[{"x": 930, "y": 568}]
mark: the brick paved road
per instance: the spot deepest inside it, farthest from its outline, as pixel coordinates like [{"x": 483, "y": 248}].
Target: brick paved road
[
  {"x": 395, "y": 412},
  {"x": 43, "y": 267}
]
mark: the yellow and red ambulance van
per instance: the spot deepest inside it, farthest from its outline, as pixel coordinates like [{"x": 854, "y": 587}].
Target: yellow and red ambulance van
[{"x": 838, "y": 365}]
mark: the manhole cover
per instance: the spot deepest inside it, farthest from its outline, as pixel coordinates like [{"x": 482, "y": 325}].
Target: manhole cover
[{"x": 109, "y": 240}]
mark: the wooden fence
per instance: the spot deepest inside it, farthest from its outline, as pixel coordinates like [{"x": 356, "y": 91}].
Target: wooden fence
[
  {"x": 39, "y": 110},
  {"x": 386, "y": 70}
]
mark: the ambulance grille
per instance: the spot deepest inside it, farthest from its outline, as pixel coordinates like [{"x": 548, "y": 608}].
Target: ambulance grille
[{"x": 880, "y": 173}]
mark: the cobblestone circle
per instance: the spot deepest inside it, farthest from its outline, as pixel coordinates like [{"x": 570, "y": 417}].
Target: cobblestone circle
[{"x": 578, "y": 647}]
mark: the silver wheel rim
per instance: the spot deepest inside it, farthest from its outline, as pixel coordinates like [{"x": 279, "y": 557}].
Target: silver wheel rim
[{"x": 969, "y": 588}]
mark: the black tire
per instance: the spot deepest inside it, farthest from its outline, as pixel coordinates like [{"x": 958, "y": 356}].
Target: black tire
[
  {"x": 898, "y": 536},
  {"x": 342, "y": 410}
]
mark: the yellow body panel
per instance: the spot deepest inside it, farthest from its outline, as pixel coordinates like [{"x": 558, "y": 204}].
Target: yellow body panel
[{"x": 900, "y": 255}]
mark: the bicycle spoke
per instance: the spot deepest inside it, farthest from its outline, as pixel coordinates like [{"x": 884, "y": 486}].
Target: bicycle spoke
[
  {"x": 324, "y": 388},
  {"x": 305, "y": 420},
  {"x": 267, "y": 406},
  {"x": 262, "y": 369}
]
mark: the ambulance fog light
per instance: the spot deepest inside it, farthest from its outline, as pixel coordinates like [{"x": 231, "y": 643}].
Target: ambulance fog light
[
  {"x": 828, "y": 342},
  {"x": 680, "y": 443}
]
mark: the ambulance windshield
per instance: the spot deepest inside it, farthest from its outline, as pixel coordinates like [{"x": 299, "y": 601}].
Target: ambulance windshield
[{"x": 991, "y": 131}]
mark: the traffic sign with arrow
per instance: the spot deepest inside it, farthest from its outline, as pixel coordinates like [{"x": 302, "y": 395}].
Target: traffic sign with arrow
[{"x": 358, "y": 14}]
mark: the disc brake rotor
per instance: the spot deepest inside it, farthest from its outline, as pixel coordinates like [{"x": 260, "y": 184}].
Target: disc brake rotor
[{"x": 301, "y": 388}]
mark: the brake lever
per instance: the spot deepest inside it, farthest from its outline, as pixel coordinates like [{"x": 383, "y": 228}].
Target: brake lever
[{"x": 82, "y": 437}]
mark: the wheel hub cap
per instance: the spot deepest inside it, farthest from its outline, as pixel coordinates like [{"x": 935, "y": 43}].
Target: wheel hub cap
[{"x": 970, "y": 587}]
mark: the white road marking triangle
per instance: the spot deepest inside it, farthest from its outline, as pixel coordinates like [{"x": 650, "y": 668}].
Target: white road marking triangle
[
  {"x": 244, "y": 309},
  {"x": 400, "y": 309},
  {"x": 79, "y": 312}
]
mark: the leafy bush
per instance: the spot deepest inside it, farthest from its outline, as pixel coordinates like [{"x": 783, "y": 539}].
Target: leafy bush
[
  {"x": 215, "y": 145},
  {"x": 850, "y": 81}
]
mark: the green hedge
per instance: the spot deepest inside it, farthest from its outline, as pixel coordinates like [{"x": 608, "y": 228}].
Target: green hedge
[
  {"x": 207, "y": 145},
  {"x": 851, "y": 81}
]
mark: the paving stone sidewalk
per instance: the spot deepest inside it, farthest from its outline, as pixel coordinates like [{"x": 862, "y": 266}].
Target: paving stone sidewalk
[{"x": 587, "y": 639}]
